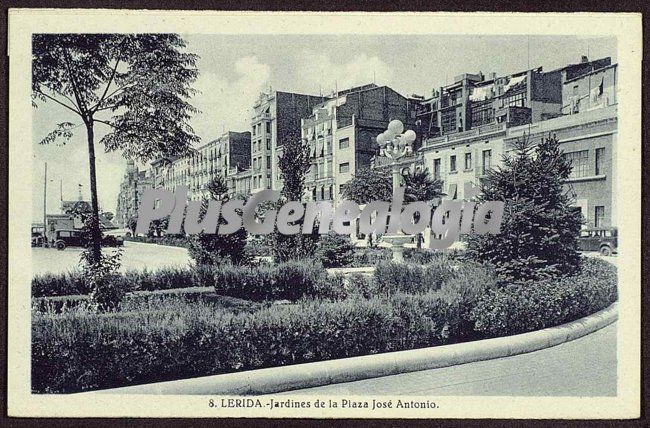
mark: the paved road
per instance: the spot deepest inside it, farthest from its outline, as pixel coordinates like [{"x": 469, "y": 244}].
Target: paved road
[
  {"x": 583, "y": 367},
  {"x": 136, "y": 256}
]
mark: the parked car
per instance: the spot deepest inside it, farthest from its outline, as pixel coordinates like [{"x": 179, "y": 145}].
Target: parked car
[
  {"x": 74, "y": 238},
  {"x": 37, "y": 236},
  {"x": 601, "y": 239}
]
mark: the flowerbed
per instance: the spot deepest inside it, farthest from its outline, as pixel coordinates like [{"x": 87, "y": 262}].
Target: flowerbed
[{"x": 80, "y": 350}]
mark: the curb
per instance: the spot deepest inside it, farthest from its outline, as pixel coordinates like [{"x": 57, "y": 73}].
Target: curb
[{"x": 308, "y": 375}]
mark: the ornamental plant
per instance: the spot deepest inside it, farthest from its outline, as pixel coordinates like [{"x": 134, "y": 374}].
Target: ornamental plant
[{"x": 539, "y": 231}]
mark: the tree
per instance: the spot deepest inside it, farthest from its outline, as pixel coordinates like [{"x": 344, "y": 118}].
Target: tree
[
  {"x": 294, "y": 165},
  {"x": 419, "y": 186},
  {"x": 212, "y": 248},
  {"x": 135, "y": 86},
  {"x": 539, "y": 230},
  {"x": 369, "y": 185}
]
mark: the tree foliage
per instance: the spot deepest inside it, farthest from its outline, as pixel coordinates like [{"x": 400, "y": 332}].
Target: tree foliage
[
  {"x": 369, "y": 185},
  {"x": 419, "y": 186},
  {"x": 136, "y": 85},
  {"x": 294, "y": 165},
  {"x": 212, "y": 248},
  {"x": 133, "y": 87},
  {"x": 539, "y": 231}
]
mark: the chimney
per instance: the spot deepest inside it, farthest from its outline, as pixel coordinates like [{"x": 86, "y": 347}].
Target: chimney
[
  {"x": 584, "y": 59},
  {"x": 493, "y": 76}
]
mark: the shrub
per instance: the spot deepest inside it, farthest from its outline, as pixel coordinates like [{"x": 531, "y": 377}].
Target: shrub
[
  {"x": 411, "y": 278},
  {"x": 364, "y": 257},
  {"x": 539, "y": 232},
  {"x": 284, "y": 281},
  {"x": 334, "y": 250},
  {"x": 361, "y": 286},
  {"x": 175, "y": 339},
  {"x": 73, "y": 283},
  {"x": 76, "y": 352},
  {"x": 59, "y": 284},
  {"x": 520, "y": 308}
]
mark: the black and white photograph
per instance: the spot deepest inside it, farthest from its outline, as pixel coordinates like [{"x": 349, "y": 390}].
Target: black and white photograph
[{"x": 324, "y": 215}]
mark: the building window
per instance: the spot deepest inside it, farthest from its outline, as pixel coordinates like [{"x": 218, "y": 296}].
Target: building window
[
  {"x": 449, "y": 120},
  {"x": 600, "y": 161},
  {"x": 452, "y": 163},
  {"x": 579, "y": 163},
  {"x": 268, "y": 162},
  {"x": 331, "y": 192},
  {"x": 482, "y": 115},
  {"x": 468, "y": 161},
  {"x": 487, "y": 160},
  {"x": 517, "y": 100},
  {"x": 268, "y": 144},
  {"x": 344, "y": 143},
  {"x": 599, "y": 216},
  {"x": 268, "y": 127},
  {"x": 344, "y": 168},
  {"x": 436, "y": 169}
]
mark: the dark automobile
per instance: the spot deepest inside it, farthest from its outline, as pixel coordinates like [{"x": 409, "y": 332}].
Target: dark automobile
[
  {"x": 74, "y": 238},
  {"x": 601, "y": 239},
  {"x": 37, "y": 236}
]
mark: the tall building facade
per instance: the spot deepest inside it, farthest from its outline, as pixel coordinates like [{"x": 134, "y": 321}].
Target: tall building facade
[
  {"x": 223, "y": 156},
  {"x": 341, "y": 133},
  {"x": 576, "y": 103},
  {"x": 132, "y": 186},
  {"x": 276, "y": 119}
]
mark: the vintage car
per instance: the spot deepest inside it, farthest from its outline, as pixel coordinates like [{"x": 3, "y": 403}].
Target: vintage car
[
  {"x": 37, "y": 236},
  {"x": 601, "y": 239},
  {"x": 74, "y": 238}
]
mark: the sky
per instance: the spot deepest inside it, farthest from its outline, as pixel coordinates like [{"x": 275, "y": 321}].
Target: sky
[{"x": 235, "y": 69}]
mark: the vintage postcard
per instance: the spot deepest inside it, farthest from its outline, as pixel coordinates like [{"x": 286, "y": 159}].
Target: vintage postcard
[{"x": 324, "y": 215}]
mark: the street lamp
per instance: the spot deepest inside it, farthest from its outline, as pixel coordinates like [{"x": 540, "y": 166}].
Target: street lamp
[{"x": 395, "y": 143}]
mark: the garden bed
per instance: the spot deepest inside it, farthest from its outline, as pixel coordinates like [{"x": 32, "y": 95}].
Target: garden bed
[{"x": 175, "y": 338}]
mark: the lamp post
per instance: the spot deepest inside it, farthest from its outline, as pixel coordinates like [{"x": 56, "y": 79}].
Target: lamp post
[{"x": 395, "y": 143}]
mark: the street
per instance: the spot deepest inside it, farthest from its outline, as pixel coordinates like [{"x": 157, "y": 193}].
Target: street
[
  {"x": 136, "y": 255},
  {"x": 583, "y": 367}
]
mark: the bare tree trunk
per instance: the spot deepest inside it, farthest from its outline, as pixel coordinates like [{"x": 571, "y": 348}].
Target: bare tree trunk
[{"x": 95, "y": 233}]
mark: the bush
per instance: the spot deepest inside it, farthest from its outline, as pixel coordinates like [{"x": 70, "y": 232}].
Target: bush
[
  {"x": 334, "y": 250},
  {"x": 59, "y": 284},
  {"x": 364, "y": 257},
  {"x": 283, "y": 281},
  {"x": 85, "y": 351},
  {"x": 73, "y": 283},
  {"x": 361, "y": 286},
  {"x": 175, "y": 339},
  {"x": 514, "y": 309},
  {"x": 411, "y": 278}
]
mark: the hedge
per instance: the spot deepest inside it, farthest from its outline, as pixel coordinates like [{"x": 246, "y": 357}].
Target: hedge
[
  {"x": 283, "y": 281},
  {"x": 514, "y": 309},
  {"x": 80, "y": 352},
  {"x": 72, "y": 283},
  {"x": 412, "y": 278},
  {"x": 175, "y": 339}
]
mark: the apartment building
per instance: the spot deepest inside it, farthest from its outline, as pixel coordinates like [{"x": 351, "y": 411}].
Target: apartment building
[
  {"x": 342, "y": 131},
  {"x": 276, "y": 119},
  {"x": 585, "y": 123},
  {"x": 223, "y": 156},
  {"x": 132, "y": 186},
  {"x": 490, "y": 108}
]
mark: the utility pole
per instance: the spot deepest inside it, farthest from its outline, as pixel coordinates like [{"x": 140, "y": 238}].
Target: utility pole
[{"x": 45, "y": 207}]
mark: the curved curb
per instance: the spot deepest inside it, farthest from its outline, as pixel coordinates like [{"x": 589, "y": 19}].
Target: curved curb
[{"x": 307, "y": 375}]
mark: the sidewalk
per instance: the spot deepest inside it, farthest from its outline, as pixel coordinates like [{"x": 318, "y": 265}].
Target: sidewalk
[{"x": 583, "y": 367}]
